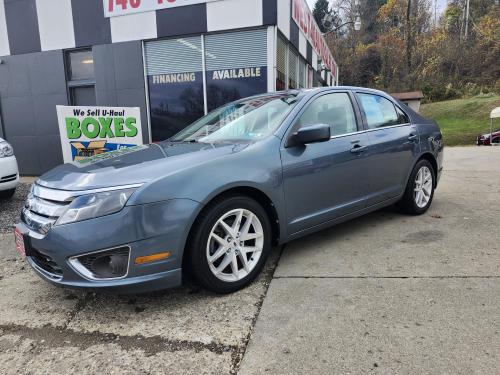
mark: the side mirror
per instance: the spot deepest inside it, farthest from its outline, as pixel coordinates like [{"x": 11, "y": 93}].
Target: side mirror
[{"x": 311, "y": 134}]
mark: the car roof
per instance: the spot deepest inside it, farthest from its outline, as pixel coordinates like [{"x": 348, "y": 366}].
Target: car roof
[
  {"x": 343, "y": 88},
  {"x": 314, "y": 91}
]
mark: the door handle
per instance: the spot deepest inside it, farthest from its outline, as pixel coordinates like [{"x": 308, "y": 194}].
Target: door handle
[
  {"x": 357, "y": 149},
  {"x": 412, "y": 137}
]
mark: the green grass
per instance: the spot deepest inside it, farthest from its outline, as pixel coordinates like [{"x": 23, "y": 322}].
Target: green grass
[{"x": 461, "y": 120}]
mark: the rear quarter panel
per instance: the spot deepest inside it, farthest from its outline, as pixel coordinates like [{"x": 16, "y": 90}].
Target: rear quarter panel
[{"x": 431, "y": 138}]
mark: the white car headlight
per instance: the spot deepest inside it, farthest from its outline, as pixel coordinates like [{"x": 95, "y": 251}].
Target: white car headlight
[
  {"x": 95, "y": 205},
  {"x": 6, "y": 150}
]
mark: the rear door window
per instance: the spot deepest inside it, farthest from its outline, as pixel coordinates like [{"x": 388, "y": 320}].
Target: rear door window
[{"x": 379, "y": 111}]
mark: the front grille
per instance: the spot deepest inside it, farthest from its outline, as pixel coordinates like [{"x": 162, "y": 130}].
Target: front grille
[
  {"x": 43, "y": 207},
  {"x": 46, "y": 263}
]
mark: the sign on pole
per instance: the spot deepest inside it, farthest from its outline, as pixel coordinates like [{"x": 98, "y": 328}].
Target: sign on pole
[{"x": 91, "y": 131}]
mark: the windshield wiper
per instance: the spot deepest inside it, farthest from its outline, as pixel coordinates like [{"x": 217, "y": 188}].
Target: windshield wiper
[{"x": 189, "y": 141}]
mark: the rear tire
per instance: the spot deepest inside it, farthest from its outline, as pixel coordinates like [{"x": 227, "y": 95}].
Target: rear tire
[
  {"x": 7, "y": 194},
  {"x": 420, "y": 189},
  {"x": 229, "y": 244}
]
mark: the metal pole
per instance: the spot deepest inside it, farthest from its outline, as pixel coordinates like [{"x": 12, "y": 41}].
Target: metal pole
[
  {"x": 435, "y": 12},
  {"x": 146, "y": 89},
  {"x": 408, "y": 37},
  {"x": 204, "y": 75},
  {"x": 467, "y": 19},
  {"x": 491, "y": 132}
]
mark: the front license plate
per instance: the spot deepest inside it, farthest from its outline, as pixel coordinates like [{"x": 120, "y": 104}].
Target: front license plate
[{"x": 20, "y": 242}]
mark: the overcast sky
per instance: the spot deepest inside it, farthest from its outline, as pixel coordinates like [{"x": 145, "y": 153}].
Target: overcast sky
[{"x": 441, "y": 4}]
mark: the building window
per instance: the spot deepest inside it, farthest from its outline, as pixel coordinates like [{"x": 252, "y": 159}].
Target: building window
[
  {"x": 292, "y": 70},
  {"x": 293, "y": 76},
  {"x": 236, "y": 66},
  {"x": 310, "y": 77},
  {"x": 302, "y": 73},
  {"x": 281, "y": 64},
  {"x": 175, "y": 81},
  {"x": 80, "y": 77}
]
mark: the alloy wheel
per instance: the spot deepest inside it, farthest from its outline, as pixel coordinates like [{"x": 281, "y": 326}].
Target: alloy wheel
[
  {"x": 423, "y": 187},
  {"x": 235, "y": 245}
]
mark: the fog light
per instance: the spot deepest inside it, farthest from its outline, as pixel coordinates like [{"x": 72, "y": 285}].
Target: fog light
[
  {"x": 152, "y": 258},
  {"x": 108, "y": 264}
]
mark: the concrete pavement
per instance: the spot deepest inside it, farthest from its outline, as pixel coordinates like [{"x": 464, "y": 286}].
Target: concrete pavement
[
  {"x": 389, "y": 293},
  {"x": 49, "y": 330},
  {"x": 385, "y": 293}
]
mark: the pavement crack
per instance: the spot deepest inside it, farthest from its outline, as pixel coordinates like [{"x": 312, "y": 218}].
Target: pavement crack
[
  {"x": 54, "y": 337},
  {"x": 80, "y": 305}
]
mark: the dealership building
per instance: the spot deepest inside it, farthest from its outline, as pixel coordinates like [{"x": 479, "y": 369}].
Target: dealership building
[{"x": 174, "y": 59}]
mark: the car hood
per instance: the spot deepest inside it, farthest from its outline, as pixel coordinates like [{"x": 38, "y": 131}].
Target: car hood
[{"x": 137, "y": 165}]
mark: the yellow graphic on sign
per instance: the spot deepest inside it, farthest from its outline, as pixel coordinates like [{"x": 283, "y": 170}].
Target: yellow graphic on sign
[{"x": 92, "y": 149}]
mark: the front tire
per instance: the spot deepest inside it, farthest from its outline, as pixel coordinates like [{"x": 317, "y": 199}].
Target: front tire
[
  {"x": 229, "y": 244},
  {"x": 420, "y": 189}
]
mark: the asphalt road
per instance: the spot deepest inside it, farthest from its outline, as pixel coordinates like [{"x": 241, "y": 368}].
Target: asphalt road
[{"x": 386, "y": 293}]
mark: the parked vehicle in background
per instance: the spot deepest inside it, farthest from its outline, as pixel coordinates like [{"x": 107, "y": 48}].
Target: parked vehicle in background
[
  {"x": 9, "y": 174},
  {"x": 214, "y": 198},
  {"x": 488, "y": 139},
  {"x": 493, "y": 137}
]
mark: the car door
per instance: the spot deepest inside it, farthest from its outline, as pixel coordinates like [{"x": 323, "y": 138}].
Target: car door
[
  {"x": 323, "y": 181},
  {"x": 394, "y": 144}
]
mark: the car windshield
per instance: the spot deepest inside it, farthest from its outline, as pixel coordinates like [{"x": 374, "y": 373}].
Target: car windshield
[{"x": 245, "y": 120}]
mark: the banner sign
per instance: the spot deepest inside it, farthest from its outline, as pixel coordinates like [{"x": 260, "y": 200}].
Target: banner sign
[
  {"x": 91, "y": 131},
  {"x": 303, "y": 17},
  {"x": 114, "y": 8}
]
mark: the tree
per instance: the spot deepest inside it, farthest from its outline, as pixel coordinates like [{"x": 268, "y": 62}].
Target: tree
[
  {"x": 320, "y": 11},
  {"x": 370, "y": 25},
  {"x": 400, "y": 48}
]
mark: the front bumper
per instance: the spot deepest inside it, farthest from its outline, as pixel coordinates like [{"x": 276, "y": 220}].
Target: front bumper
[
  {"x": 145, "y": 230},
  {"x": 9, "y": 174}
]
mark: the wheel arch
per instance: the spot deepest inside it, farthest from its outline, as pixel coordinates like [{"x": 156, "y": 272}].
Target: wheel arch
[
  {"x": 431, "y": 159},
  {"x": 258, "y": 195}
]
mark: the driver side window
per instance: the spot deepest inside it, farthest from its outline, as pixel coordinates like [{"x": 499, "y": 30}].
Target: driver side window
[{"x": 334, "y": 110}]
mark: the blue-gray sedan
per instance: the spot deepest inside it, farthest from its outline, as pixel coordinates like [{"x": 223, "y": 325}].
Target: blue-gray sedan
[{"x": 216, "y": 197}]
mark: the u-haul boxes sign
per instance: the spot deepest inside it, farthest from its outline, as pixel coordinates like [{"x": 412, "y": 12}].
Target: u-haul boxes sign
[
  {"x": 91, "y": 131},
  {"x": 114, "y": 8}
]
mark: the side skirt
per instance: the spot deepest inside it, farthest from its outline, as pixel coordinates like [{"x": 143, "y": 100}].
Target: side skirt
[{"x": 343, "y": 219}]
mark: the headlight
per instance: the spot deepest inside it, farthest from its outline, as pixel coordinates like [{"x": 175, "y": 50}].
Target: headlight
[
  {"x": 6, "y": 150},
  {"x": 95, "y": 205}
]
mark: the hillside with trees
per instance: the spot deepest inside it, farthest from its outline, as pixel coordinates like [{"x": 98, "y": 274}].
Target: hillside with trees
[{"x": 404, "y": 46}]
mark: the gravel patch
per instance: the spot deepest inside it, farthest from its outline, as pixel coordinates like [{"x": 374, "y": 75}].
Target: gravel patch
[{"x": 10, "y": 208}]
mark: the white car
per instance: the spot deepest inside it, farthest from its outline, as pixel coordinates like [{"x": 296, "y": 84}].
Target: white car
[{"x": 9, "y": 174}]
